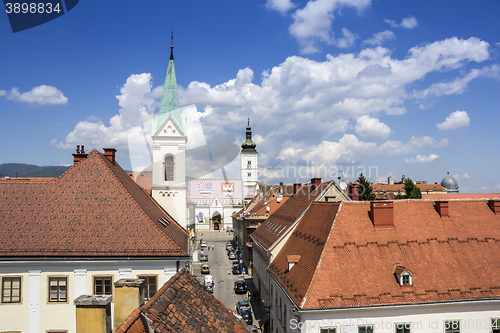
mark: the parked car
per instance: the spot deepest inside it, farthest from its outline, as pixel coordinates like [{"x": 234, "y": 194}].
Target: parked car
[
  {"x": 230, "y": 229},
  {"x": 204, "y": 257},
  {"x": 236, "y": 270},
  {"x": 204, "y": 244},
  {"x": 243, "y": 306},
  {"x": 209, "y": 279},
  {"x": 205, "y": 269},
  {"x": 247, "y": 317},
  {"x": 254, "y": 329},
  {"x": 229, "y": 246},
  {"x": 232, "y": 256},
  {"x": 240, "y": 287},
  {"x": 209, "y": 287}
]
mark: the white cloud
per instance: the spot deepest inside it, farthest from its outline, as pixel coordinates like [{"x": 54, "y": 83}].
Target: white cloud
[
  {"x": 421, "y": 159},
  {"x": 367, "y": 126},
  {"x": 280, "y": 5},
  {"x": 455, "y": 121},
  {"x": 347, "y": 40},
  {"x": 313, "y": 23},
  {"x": 38, "y": 95},
  {"x": 497, "y": 187},
  {"x": 415, "y": 144},
  {"x": 409, "y": 22},
  {"x": 301, "y": 104},
  {"x": 380, "y": 37}
]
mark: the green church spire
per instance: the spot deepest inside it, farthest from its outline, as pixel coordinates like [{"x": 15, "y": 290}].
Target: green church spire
[
  {"x": 248, "y": 144},
  {"x": 170, "y": 99}
]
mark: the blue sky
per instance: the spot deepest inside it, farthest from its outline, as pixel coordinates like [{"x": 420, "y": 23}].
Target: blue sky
[{"x": 389, "y": 87}]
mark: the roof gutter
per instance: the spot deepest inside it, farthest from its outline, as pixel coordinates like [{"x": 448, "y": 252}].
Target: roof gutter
[{"x": 405, "y": 305}]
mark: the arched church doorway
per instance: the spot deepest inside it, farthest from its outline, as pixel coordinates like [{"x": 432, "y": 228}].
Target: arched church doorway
[{"x": 216, "y": 218}]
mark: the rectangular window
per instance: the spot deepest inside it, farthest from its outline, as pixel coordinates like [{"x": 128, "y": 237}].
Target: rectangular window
[
  {"x": 403, "y": 327},
  {"x": 365, "y": 329},
  {"x": 281, "y": 313},
  {"x": 150, "y": 285},
  {"x": 284, "y": 317},
  {"x": 406, "y": 279},
  {"x": 327, "y": 330},
  {"x": 452, "y": 326},
  {"x": 102, "y": 285},
  {"x": 495, "y": 325},
  {"x": 11, "y": 289},
  {"x": 58, "y": 287}
]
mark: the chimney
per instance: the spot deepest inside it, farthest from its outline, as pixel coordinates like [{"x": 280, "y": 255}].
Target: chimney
[
  {"x": 495, "y": 206},
  {"x": 93, "y": 313},
  {"x": 79, "y": 155},
  {"x": 281, "y": 188},
  {"x": 382, "y": 214},
  {"x": 110, "y": 154},
  {"x": 291, "y": 260},
  {"x": 129, "y": 295},
  {"x": 296, "y": 187},
  {"x": 442, "y": 209},
  {"x": 353, "y": 191},
  {"x": 315, "y": 182}
]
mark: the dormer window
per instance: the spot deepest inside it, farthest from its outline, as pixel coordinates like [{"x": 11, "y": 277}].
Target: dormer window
[{"x": 403, "y": 275}]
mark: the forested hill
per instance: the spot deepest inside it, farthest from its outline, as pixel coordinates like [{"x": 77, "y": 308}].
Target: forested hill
[{"x": 29, "y": 170}]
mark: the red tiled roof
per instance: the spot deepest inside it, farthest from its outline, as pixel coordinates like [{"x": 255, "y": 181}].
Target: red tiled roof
[
  {"x": 453, "y": 258},
  {"x": 182, "y": 305},
  {"x": 400, "y": 187},
  {"x": 306, "y": 242},
  {"x": 93, "y": 209},
  {"x": 272, "y": 228},
  {"x": 451, "y": 196}
]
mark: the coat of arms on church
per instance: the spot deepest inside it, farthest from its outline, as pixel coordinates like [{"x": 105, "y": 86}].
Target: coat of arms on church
[
  {"x": 205, "y": 189},
  {"x": 227, "y": 189}
]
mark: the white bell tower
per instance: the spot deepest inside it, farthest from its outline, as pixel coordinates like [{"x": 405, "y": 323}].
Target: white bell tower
[
  {"x": 249, "y": 166},
  {"x": 169, "y": 151}
]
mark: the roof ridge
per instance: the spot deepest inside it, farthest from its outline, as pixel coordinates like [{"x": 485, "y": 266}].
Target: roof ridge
[
  {"x": 469, "y": 239},
  {"x": 318, "y": 265}
]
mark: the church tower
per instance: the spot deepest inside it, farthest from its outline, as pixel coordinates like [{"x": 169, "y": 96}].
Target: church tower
[
  {"x": 249, "y": 172},
  {"x": 169, "y": 135}
]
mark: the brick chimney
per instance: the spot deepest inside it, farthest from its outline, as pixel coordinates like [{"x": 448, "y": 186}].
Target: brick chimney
[
  {"x": 495, "y": 206},
  {"x": 382, "y": 214},
  {"x": 129, "y": 295},
  {"x": 79, "y": 155},
  {"x": 442, "y": 208},
  {"x": 93, "y": 313},
  {"x": 353, "y": 191},
  {"x": 315, "y": 183},
  {"x": 110, "y": 154},
  {"x": 296, "y": 187}
]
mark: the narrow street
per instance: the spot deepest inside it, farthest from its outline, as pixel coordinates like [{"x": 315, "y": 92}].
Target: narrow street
[{"x": 221, "y": 270}]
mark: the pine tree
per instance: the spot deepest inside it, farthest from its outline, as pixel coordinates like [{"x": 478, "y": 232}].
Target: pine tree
[
  {"x": 365, "y": 189},
  {"x": 412, "y": 190}
]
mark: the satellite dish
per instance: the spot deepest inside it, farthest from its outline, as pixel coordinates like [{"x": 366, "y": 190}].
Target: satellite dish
[
  {"x": 343, "y": 186},
  {"x": 267, "y": 208}
]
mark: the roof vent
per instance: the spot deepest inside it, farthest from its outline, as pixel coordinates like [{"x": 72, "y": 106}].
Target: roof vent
[
  {"x": 442, "y": 209},
  {"x": 291, "y": 260},
  {"x": 382, "y": 213}
]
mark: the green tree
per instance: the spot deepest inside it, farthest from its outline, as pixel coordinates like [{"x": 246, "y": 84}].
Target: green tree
[
  {"x": 399, "y": 196},
  {"x": 365, "y": 189},
  {"x": 412, "y": 190}
]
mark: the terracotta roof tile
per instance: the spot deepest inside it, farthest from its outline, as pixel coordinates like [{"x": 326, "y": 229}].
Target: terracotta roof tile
[
  {"x": 272, "y": 228},
  {"x": 464, "y": 247},
  {"x": 182, "y": 305},
  {"x": 92, "y": 209}
]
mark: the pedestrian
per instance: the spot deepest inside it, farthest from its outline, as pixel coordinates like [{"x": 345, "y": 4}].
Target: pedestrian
[
  {"x": 212, "y": 247},
  {"x": 248, "y": 295},
  {"x": 209, "y": 248}
]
